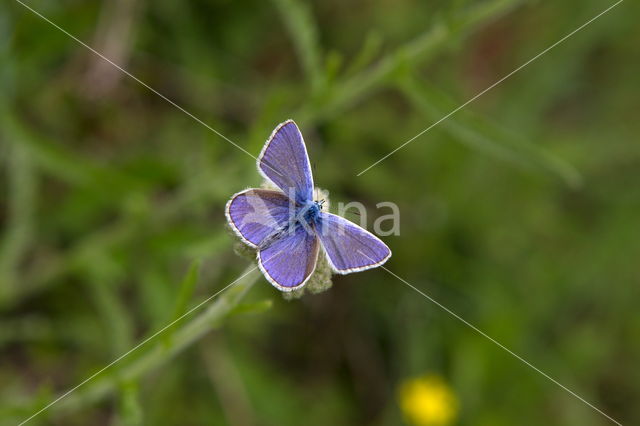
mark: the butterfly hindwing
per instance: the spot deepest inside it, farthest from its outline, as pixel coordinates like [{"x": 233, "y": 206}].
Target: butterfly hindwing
[
  {"x": 349, "y": 247},
  {"x": 290, "y": 260},
  {"x": 285, "y": 162},
  {"x": 254, "y": 214}
]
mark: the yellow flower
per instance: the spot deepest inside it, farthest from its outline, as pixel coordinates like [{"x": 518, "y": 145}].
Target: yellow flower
[{"x": 428, "y": 401}]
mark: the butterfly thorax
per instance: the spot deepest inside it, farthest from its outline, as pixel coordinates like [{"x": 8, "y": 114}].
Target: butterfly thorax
[{"x": 310, "y": 212}]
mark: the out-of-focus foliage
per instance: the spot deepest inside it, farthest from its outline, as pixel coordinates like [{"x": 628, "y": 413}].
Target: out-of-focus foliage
[{"x": 520, "y": 213}]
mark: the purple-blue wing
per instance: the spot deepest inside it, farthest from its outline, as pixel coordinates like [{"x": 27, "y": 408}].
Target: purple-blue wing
[
  {"x": 285, "y": 162},
  {"x": 255, "y": 214},
  {"x": 349, "y": 247},
  {"x": 289, "y": 261}
]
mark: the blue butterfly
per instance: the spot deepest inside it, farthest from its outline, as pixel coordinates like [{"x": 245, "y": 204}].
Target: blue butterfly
[{"x": 288, "y": 227}]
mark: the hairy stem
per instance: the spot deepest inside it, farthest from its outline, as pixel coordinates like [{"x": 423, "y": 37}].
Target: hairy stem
[{"x": 161, "y": 352}]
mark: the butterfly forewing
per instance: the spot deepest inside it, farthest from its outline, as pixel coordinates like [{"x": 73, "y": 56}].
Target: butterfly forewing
[
  {"x": 349, "y": 247},
  {"x": 285, "y": 162},
  {"x": 256, "y": 214}
]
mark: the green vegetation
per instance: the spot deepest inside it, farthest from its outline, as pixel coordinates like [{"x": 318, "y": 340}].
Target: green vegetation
[{"x": 519, "y": 213}]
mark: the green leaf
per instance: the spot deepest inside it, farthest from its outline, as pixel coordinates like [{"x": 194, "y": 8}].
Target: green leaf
[
  {"x": 421, "y": 49},
  {"x": 481, "y": 134},
  {"x": 129, "y": 406},
  {"x": 19, "y": 229},
  {"x": 185, "y": 292},
  {"x": 302, "y": 29},
  {"x": 370, "y": 49},
  {"x": 252, "y": 308},
  {"x": 65, "y": 164}
]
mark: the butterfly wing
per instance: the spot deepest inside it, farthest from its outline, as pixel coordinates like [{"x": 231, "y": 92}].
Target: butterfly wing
[
  {"x": 349, "y": 247},
  {"x": 289, "y": 261},
  {"x": 285, "y": 162},
  {"x": 254, "y": 214}
]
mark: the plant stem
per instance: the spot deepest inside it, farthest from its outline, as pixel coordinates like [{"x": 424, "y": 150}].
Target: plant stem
[
  {"x": 303, "y": 32},
  {"x": 182, "y": 338},
  {"x": 21, "y": 199},
  {"x": 422, "y": 48}
]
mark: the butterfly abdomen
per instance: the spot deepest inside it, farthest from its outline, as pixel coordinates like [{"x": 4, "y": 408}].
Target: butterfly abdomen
[
  {"x": 288, "y": 229},
  {"x": 307, "y": 217}
]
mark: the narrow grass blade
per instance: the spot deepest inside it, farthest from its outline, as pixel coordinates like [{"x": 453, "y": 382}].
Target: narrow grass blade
[
  {"x": 187, "y": 287},
  {"x": 483, "y": 135},
  {"x": 21, "y": 200},
  {"x": 302, "y": 29}
]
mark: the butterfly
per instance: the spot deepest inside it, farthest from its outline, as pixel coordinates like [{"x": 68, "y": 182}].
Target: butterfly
[{"x": 288, "y": 228}]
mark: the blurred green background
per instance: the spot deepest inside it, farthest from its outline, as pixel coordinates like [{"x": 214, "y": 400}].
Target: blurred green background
[{"x": 520, "y": 213}]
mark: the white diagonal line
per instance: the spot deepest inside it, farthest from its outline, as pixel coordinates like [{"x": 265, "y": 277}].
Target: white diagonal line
[
  {"x": 35, "y": 12},
  {"x": 492, "y": 86},
  {"x": 500, "y": 345},
  {"x": 139, "y": 345}
]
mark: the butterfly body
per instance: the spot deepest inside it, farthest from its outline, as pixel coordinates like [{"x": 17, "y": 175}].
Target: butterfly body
[
  {"x": 287, "y": 227},
  {"x": 310, "y": 213},
  {"x": 306, "y": 217}
]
